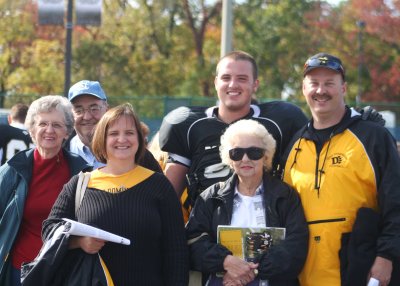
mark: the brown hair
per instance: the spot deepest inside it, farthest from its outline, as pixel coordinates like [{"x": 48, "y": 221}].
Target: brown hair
[
  {"x": 108, "y": 119},
  {"x": 241, "y": 56},
  {"x": 18, "y": 112},
  {"x": 145, "y": 131}
]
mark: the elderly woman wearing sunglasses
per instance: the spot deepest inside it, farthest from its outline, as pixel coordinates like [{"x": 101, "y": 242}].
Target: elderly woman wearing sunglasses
[{"x": 249, "y": 198}]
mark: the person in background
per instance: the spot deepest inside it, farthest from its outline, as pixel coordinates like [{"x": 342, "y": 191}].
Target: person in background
[
  {"x": 31, "y": 181},
  {"x": 162, "y": 157},
  {"x": 129, "y": 200},
  {"x": 89, "y": 105},
  {"x": 159, "y": 155},
  {"x": 14, "y": 137},
  {"x": 251, "y": 197},
  {"x": 146, "y": 132},
  {"x": 344, "y": 169},
  {"x": 17, "y": 115}
]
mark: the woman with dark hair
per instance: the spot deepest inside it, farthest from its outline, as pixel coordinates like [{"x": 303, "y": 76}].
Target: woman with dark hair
[{"x": 131, "y": 201}]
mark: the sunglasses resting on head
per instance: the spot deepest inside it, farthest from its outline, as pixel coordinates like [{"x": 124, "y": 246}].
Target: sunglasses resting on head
[{"x": 323, "y": 60}]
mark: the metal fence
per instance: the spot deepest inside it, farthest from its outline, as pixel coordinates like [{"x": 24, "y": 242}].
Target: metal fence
[{"x": 152, "y": 109}]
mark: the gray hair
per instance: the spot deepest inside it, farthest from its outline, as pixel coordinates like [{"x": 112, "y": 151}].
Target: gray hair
[
  {"x": 46, "y": 104},
  {"x": 248, "y": 127}
]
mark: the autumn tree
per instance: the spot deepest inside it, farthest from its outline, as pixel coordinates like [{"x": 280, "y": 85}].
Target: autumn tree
[
  {"x": 170, "y": 47},
  {"x": 381, "y": 47},
  {"x": 17, "y": 33}
]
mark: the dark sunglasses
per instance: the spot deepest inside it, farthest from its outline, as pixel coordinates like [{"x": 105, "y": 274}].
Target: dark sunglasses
[
  {"x": 253, "y": 153},
  {"x": 324, "y": 62}
]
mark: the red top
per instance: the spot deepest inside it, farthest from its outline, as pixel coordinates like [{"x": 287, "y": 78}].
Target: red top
[{"x": 48, "y": 178}]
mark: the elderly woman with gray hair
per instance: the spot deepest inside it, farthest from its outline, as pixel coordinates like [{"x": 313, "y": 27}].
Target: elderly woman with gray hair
[
  {"x": 31, "y": 181},
  {"x": 251, "y": 197}
]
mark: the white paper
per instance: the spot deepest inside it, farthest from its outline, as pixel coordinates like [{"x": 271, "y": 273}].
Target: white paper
[
  {"x": 373, "y": 282},
  {"x": 81, "y": 229}
]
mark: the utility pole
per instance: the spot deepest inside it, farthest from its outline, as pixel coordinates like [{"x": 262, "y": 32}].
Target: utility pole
[
  {"x": 68, "y": 48},
  {"x": 226, "y": 35},
  {"x": 361, "y": 26}
]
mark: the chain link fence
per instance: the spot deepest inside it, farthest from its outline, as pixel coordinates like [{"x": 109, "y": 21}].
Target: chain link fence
[{"x": 152, "y": 109}]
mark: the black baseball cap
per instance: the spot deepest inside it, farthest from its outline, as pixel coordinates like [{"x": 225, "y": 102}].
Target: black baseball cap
[{"x": 324, "y": 60}]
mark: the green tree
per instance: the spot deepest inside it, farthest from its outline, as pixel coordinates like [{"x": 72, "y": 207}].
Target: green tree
[
  {"x": 276, "y": 34},
  {"x": 153, "y": 48},
  {"x": 16, "y": 35},
  {"x": 40, "y": 69},
  {"x": 198, "y": 16}
]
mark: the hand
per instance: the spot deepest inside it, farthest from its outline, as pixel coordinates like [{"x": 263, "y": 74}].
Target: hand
[
  {"x": 88, "y": 244},
  {"x": 381, "y": 270},
  {"x": 368, "y": 113},
  {"x": 238, "y": 271}
]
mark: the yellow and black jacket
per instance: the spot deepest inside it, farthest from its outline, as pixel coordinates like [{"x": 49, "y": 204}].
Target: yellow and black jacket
[{"x": 357, "y": 167}]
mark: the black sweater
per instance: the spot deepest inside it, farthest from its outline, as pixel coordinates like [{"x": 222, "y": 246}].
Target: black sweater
[{"x": 149, "y": 215}]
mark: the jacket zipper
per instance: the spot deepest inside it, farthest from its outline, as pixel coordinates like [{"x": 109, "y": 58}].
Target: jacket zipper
[
  {"x": 326, "y": 220},
  {"x": 316, "y": 187}
]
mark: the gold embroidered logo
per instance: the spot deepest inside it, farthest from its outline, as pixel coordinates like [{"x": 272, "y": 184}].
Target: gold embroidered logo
[
  {"x": 338, "y": 160},
  {"x": 117, "y": 190}
]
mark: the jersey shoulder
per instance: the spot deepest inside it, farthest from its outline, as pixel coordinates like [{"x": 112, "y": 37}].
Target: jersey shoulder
[
  {"x": 285, "y": 112},
  {"x": 176, "y": 124},
  {"x": 279, "y": 106},
  {"x": 184, "y": 115},
  {"x": 9, "y": 133}
]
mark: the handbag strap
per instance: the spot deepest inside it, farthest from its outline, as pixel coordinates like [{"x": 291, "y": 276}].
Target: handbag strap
[{"x": 83, "y": 181}]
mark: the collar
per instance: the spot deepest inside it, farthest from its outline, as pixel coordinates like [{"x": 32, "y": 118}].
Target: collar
[
  {"x": 77, "y": 143},
  {"x": 259, "y": 190},
  {"x": 18, "y": 125},
  {"x": 77, "y": 147},
  {"x": 349, "y": 117},
  {"x": 254, "y": 112}
]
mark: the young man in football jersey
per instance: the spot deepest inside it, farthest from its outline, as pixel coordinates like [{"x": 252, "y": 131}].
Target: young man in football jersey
[
  {"x": 14, "y": 137},
  {"x": 191, "y": 135}
]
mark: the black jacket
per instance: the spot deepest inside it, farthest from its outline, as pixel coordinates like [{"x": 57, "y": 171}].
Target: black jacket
[
  {"x": 57, "y": 265},
  {"x": 282, "y": 263}
]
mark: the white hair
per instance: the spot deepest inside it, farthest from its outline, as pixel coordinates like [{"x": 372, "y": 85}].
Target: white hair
[{"x": 248, "y": 127}]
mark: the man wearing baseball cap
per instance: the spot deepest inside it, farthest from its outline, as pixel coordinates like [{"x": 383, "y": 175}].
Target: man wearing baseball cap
[
  {"x": 89, "y": 103},
  {"x": 347, "y": 172}
]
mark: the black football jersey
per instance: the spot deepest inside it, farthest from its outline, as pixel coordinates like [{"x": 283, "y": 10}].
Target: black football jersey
[
  {"x": 13, "y": 140},
  {"x": 191, "y": 135}
]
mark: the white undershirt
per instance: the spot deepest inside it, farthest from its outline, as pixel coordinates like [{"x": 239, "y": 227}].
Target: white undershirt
[{"x": 248, "y": 211}]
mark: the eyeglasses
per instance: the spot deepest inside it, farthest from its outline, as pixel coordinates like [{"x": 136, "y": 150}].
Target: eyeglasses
[
  {"x": 54, "y": 125},
  {"x": 253, "y": 153},
  {"x": 93, "y": 110},
  {"x": 324, "y": 62}
]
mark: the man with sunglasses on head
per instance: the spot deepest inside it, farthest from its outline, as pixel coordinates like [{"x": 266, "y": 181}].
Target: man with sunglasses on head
[
  {"x": 191, "y": 134},
  {"x": 347, "y": 172},
  {"x": 89, "y": 103}
]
